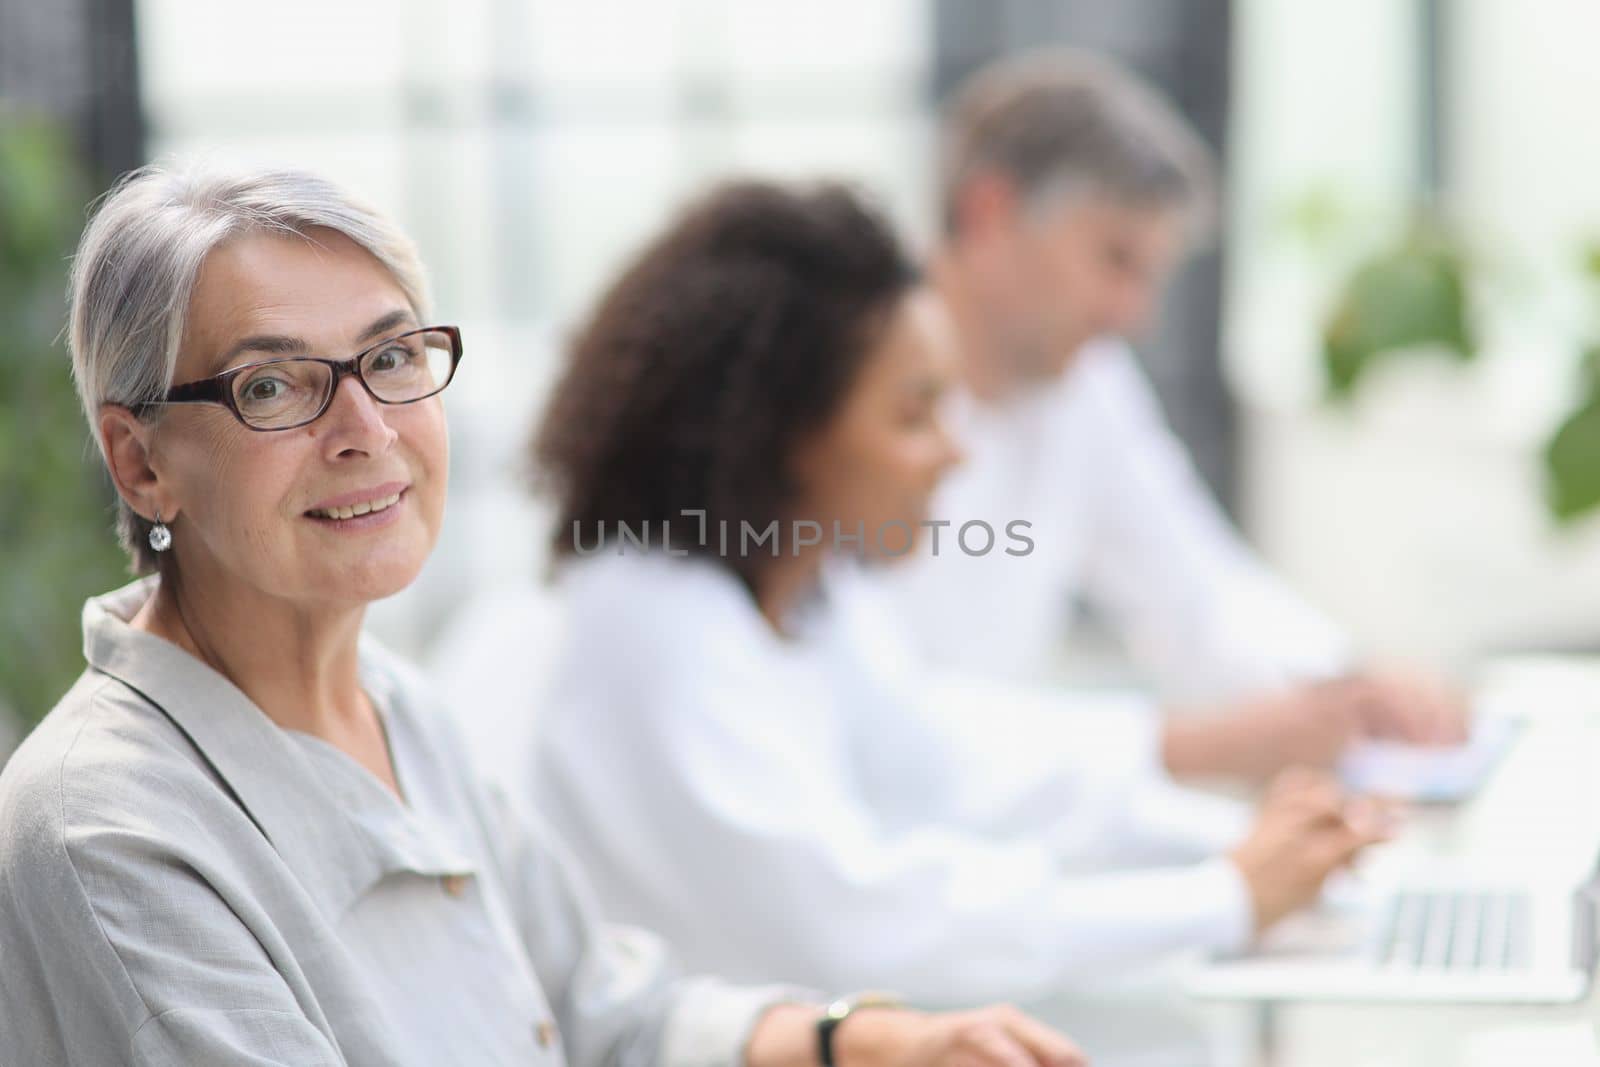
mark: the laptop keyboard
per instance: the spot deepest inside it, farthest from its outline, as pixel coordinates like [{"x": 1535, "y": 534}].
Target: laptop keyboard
[{"x": 1456, "y": 931}]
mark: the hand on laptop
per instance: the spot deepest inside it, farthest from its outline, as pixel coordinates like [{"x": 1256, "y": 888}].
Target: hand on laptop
[
  {"x": 1312, "y": 725},
  {"x": 1307, "y": 828}
]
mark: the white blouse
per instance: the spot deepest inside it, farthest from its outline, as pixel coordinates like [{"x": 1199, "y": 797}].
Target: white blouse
[{"x": 806, "y": 808}]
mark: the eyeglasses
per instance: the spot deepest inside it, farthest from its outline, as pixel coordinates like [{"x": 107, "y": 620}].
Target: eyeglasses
[{"x": 282, "y": 394}]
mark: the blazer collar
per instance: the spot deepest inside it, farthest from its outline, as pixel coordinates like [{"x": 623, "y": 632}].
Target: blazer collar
[{"x": 340, "y": 833}]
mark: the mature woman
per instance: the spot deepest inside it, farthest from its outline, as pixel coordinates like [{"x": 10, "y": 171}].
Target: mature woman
[
  {"x": 244, "y": 836},
  {"x": 754, "y": 406}
]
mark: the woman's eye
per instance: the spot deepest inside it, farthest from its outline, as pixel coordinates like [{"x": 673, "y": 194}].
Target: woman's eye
[
  {"x": 263, "y": 389},
  {"x": 390, "y": 359}
]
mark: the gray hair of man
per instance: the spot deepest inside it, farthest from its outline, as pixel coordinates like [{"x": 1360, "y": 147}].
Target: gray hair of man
[
  {"x": 136, "y": 265},
  {"x": 1061, "y": 123}
]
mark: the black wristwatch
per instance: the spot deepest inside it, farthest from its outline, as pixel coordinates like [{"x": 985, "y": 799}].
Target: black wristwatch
[{"x": 842, "y": 1009}]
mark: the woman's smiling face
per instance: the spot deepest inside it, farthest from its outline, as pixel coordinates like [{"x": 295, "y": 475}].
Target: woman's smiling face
[{"x": 258, "y": 508}]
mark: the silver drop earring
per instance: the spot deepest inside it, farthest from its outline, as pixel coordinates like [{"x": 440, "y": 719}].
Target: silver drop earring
[{"x": 160, "y": 535}]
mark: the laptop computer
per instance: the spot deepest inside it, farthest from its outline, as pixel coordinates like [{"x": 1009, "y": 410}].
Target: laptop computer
[{"x": 1445, "y": 939}]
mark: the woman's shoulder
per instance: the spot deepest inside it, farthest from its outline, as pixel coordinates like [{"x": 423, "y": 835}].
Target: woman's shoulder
[
  {"x": 620, "y": 566},
  {"x": 99, "y": 728},
  {"x": 104, "y": 758},
  {"x": 654, "y": 595}
]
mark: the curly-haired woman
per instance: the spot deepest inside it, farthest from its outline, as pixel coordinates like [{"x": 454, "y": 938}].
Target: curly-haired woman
[{"x": 752, "y": 411}]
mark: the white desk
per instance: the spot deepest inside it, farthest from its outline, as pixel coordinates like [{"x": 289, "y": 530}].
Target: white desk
[{"x": 1544, "y": 796}]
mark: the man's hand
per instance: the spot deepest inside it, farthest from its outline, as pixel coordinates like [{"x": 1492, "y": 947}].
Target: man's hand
[
  {"x": 1307, "y": 828},
  {"x": 1311, "y": 725}
]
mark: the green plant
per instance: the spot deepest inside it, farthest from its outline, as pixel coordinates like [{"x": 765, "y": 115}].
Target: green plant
[
  {"x": 1415, "y": 295},
  {"x": 1410, "y": 296},
  {"x": 1572, "y": 455},
  {"x": 55, "y": 517}
]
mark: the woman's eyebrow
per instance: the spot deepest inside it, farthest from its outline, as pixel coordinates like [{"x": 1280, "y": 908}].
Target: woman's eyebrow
[
  {"x": 272, "y": 344},
  {"x": 397, "y": 317}
]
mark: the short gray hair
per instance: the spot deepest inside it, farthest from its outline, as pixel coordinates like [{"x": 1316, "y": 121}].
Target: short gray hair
[
  {"x": 1062, "y": 119},
  {"x": 136, "y": 264}
]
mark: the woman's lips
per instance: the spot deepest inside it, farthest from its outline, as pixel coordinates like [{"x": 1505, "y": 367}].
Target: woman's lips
[
  {"x": 368, "y": 496},
  {"x": 371, "y": 519}
]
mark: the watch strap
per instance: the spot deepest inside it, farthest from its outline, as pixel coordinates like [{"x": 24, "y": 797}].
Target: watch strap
[{"x": 838, "y": 1012}]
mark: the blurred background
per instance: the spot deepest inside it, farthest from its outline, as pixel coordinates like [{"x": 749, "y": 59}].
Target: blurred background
[{"x": 1386, "y": 363}]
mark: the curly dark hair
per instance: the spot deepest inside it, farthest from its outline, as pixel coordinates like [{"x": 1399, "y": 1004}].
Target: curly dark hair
[{"x": 731, "y": 336}]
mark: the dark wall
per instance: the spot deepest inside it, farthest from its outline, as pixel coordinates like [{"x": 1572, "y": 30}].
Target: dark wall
[
  {"x": 1182, "y": 46},
  {"x": 76, "y": 60}
]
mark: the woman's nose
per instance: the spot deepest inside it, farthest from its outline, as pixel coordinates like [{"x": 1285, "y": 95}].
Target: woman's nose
[{"x": 355, "y": 420}]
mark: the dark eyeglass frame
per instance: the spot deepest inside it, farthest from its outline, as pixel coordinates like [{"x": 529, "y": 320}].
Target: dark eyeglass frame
[{"x": 219, "y": 388}]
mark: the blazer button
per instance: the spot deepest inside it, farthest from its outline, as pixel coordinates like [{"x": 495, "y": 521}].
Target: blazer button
[
  {"x": 546, "y": 1033},
  {"x": 454, "y": 884}
]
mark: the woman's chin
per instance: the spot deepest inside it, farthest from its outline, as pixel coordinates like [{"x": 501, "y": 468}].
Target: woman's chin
[
  {"x": 898, "y": 541},
  {"x": 375, "y": 578}
]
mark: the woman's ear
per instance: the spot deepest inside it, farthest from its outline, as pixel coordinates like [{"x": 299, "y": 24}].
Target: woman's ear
[{"x": 126, "y": 441}]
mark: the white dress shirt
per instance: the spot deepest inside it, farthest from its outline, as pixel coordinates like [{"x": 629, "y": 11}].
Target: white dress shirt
[
  {"x": 184, "y": 882},
  {"x": 800, "y": 808},
  {"x": 1119, "y": 519}
]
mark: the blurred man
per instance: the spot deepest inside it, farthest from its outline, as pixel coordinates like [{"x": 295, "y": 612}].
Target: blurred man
[{"x": 1070, "y": 191}]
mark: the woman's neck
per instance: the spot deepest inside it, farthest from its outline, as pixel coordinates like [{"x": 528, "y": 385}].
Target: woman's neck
[
  {"x": 298, "y": 664},
  {"x": 784, "y": 585}
]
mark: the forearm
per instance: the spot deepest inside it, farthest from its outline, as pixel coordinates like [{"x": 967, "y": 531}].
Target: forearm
[
  {"x": 1197, "y": 746},
  {"x": 784, "y": 1036},
  {"x": 1200, "y": 745}
]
